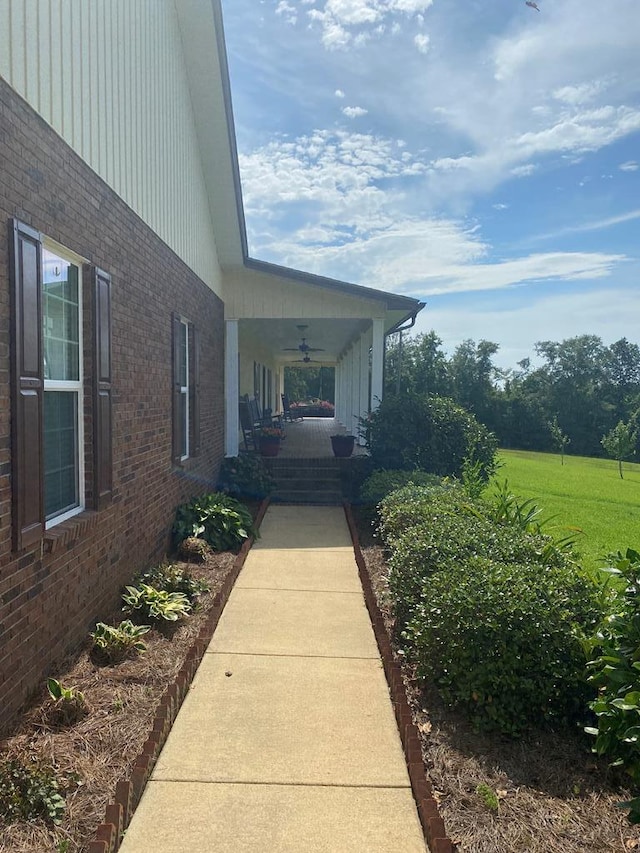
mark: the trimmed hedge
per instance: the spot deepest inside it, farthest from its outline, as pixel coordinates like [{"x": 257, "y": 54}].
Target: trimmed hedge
[
  {"x": 494, "y": 615},
  {"x": 382, "y": 482},
  {"x": 500, "y": 641}
]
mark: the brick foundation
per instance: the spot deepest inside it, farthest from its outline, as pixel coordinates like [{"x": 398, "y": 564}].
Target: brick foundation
[{"x": 50, "y": 596}]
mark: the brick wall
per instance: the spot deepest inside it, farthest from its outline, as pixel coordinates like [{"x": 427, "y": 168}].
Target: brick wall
[{"x": 50, "y": 596}]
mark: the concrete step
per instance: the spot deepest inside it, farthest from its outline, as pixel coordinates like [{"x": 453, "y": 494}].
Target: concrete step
[{"x": 305, "y": 496}]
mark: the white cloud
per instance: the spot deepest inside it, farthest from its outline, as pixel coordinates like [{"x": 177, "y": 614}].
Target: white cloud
[
  {"x": 595, "y": 225},
  {"x": 500, "y": 206},
  {"x": 421, "y": 41},
  {"x": 354, "y": 112},
  {"x": 629, "y": 166},
  {"x": 523, "y": 171},
  {"x": 339, "y": 93},
  {"x": 582, "y": 94},
  {"x": 345, "y": 22},
  {"x": 287, "y": 11}
]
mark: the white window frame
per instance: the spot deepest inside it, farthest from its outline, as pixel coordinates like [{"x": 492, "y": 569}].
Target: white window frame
[
  {"x": 76, "y": 385},
  {"x": 184, "y": 390}
]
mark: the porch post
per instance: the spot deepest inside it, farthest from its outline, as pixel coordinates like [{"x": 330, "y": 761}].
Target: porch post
[
  {"x": 232, "y": 388},
  {"x": 365, "y": 343},
  {"x": 377, "y": 363},
  {"x": 341, "y": 403},
  {"x": 354, "y": 414}
]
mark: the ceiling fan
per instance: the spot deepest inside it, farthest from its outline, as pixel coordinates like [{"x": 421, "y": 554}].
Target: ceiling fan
[
  {"x": 307, "y": 359},
  {"x": 303, "y": 346}
]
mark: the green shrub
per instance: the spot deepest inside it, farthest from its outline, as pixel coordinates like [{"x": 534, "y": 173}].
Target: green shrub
[
  {"x": 245, "y": 476},
  {"x": 615, "y": 672},
  {"x": 501, "y": 640},
  {"x": 148, "y": 604},
  {"x": 220, "y": 520},
  {"x": 382, "y": 482},
  {"x": 430, "y": 433},
  {"x": 430, "y": 530},
  {"x": 29, "y": 791},
  {"x": 171, "y": 578},
  {"x": 113, "y": 644}
]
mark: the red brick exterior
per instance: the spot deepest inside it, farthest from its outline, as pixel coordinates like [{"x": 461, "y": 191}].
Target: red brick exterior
[{"x": 51, "y": 595}]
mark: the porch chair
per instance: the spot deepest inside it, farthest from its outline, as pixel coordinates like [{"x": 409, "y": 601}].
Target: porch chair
[{"x": 287, "y": 414}]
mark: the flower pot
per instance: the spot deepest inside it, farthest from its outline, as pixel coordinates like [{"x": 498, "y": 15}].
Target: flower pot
[
  {"x": 342, "y": 445},
  {"x": 269, "y": 446}
]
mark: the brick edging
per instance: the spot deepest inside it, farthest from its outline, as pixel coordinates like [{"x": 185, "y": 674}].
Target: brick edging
[
  {"x": 430, "y": 818},
  {"x": 118, "y": 814}
]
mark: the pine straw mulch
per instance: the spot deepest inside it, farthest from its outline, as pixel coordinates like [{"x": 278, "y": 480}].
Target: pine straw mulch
[
  {"x": 554, "y": 795},
  {"x": 101, "y": 748}
]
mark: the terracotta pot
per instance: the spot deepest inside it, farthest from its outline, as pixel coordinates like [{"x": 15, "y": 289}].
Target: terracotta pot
[
  {"x": 269, "y": 446},
  {"x": 342, "y": 445}
]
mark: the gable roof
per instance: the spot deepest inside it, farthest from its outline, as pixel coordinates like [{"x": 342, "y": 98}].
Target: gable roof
[{"x": 207, "y": 69}]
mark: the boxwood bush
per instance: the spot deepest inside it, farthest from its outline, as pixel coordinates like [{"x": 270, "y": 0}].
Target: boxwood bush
[
  {"x": 493, "y": 614},
  {"x": 429, "y": 530},
  {"x": 503, "y": 641},
  {"x": 384, "y": 481}
]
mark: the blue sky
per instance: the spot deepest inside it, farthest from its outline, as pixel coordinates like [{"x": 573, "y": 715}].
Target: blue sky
[{"x": 481, "y": 156}]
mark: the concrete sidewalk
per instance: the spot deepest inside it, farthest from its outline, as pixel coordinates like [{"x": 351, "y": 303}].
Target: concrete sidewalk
[{"x": 286, "y": 742}]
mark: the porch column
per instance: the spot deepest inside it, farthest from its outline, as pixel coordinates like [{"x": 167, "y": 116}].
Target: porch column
[
  {"x": 232, "y": 388},
  {"x": 377, "y": 363},
  {"x": 354, "y": 414},
  {"x": 365, "y": 343},
  {"x": 340, "y": 390}
]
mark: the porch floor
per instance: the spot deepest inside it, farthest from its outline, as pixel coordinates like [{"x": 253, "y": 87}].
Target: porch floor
[{"x": 310, "y": 439}]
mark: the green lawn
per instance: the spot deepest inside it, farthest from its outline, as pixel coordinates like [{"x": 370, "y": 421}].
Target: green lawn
[{"x": 584, "y": 493}]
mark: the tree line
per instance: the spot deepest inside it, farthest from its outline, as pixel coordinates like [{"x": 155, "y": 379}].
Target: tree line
[{"x": 580, "y": 393}]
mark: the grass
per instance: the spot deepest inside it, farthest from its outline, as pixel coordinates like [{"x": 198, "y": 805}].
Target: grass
[{"x": 584, "y": 493}]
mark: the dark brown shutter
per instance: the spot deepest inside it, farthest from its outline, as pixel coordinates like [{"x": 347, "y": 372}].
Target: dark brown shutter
[
  {"x": 27, "y": 385},
  {"x": 176, "y": 443},
  {"x": 102, "y": 379},
  {"x": 195, "y": 391}
]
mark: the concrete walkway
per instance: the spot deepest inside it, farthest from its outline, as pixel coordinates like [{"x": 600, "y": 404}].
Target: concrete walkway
[{"x": 286, "y": 742}]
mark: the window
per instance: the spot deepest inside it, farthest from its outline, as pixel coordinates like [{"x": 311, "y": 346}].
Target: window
[
  {"x": 49, "y": 441},
  {"x": 186, "y": 390},
  {"x": 62, "y": 369}
]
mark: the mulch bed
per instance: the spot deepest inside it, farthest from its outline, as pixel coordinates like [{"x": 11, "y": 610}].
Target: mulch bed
[
  {"x": 101, "y": 749},
  {"x": 554, "y": 795}
]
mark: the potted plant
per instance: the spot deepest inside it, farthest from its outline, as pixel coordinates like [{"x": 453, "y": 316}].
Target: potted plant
[
  {"x": 342, "y": 444},
  {"x": 269, "y": 439}
]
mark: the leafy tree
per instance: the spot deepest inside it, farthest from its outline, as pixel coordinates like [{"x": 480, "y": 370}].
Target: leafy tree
[
  {"x": 473, "y": 377},
  {"x": 416, "y": 365},
  {"x": 620, "y": 443},
  {"x": 304, "y": 383}
]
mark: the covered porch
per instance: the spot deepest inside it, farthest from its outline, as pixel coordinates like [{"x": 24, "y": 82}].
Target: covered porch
[{"x": 277, "y": 317}]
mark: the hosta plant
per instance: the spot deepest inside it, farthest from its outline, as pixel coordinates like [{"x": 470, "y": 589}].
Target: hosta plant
[
  {"x": 68, "y": 703},
  {"x": 149, "y": 604},
  {"x": 172, "y": 578},
  {"x": 115, "y": 643},
  {"x": 220, "y": 520}
]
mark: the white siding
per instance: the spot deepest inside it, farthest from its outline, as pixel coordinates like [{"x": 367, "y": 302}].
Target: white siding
[{"x": 109, "y": 76}]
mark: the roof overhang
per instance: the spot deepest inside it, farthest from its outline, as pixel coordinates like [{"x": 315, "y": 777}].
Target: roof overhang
[{"x": 205, "y": 55}]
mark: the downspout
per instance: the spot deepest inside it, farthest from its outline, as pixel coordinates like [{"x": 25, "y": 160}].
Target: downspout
[{"x": 392, "y": 331}]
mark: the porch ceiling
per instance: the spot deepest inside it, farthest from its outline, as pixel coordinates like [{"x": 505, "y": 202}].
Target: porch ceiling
[{"x": 333, "y": 336}]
